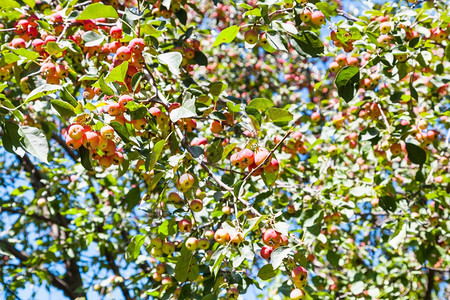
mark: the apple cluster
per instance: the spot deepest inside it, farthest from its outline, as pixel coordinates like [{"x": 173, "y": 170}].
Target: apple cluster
[
  {"x": 100, "y": 143},
  {"x": 296, "y": 143},
  {"x": 299, "y": 276},
  {"x": 341, "y": 61},
  {"x": 272, "y": 240},
  {"x": 261, "y": 160}
]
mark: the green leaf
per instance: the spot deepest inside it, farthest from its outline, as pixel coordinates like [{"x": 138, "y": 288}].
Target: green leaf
[
  {"x": 156, "y": 178},
  {"x": 197, "y": 151},
  {"x": 155, "y": 153},
  {"x": 10, "y": 58},
  {"x": 275, "y": 40},
  {"x": 200, "y": 58},
  {"x": 216, "y": 260},
  {"x": 261, "y": 104},
  {"x": 118, "y": 73},
  {"x": 357, "y": 287},
  {"x": 267, "y": 272},
  {"x": 30, "y": 55},
  {"x": 106, "y": 89},
  {"x": 237, "y": 188},
  {"x": 416, "y": 154},
  {"x": 424, "y": 58},
  {"x": 327, "y": 9},
  {"x": 333, "y": 257},
  {"x": 63, "y": 108},
  {"x": 269, "y": 178},
  {"x": 166, "y": 228},
  {"x": 34, "y": 142},
  {"x": 290, "y": 28},
  {"x": 53, "y": 48},
  {"x": 214, "y": 152},
  {"x": 187, "y": 110},
  {"x": 216, "y": 88},
  {"x": 255, "y": 116},
  {"x": 136, "y": 80},
  {"x": 369, "y": 134},
  {"x": 447, "y": 51},
  {"x": 172, "y": 60},
  {"x": 252, "y": 224},
  {"x": 308, "y": 42},
  {"x": 133, "y": 249},
  {"x": 253, "y": 12},
  {"x": 228, "y": 149},
  {"x": 121, "y": 131},
  {"x": 67, "y": 97},
  {"x": 92, "y": 38},
  {"x": 11, "y": 139},
  {"x": 420, "y": 176},
  {"x": 312, "y": 217},
  {"x": 133, "y": 197},
  {"x": 181, "y": 14},
  {"x": 227, "y": 35},
  {"x": 85, "y": 156},
  {"x": 282, "y": 227},
  {"x": 388, "y": 203},
  {"x": 413, "y": 91},
  {"x": 360, "y": 191},
  {"x": 398, "y": 237},
  {"x": 30, "y": 3},
  {"x": 166, "y": 3},
  {"x": 278, "y": 255},
  {"x": 43, "y": 90},
  {"x": 279, "y": 115},
  {"x": 347, "y": 81},
  {"x": 98, "y": 10},
  {"x": 5, "y": 4},
  {"x": 187, "y": 266},
  {"x": 415, "y": 41}
]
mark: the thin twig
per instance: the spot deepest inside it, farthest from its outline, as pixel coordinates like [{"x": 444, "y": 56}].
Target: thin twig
[
  {"x": 7, "y": 29},
  {"x": 280, "y": 11},
  {"x": 347, "y": 15},
  {"x": 384, "y": 118}
]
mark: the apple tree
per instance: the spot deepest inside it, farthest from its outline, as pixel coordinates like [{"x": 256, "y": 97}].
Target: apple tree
[{"x": 182, "y": 149}]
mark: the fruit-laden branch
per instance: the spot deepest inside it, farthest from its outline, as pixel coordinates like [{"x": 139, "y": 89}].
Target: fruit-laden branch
[
  {"x": 200, "y": 161},
  {"x": 163, "y": 101},
  {"x": 210, "y": 173},
  {"x": 55, "y": 281},
  {"x": 268, "y": 157}
]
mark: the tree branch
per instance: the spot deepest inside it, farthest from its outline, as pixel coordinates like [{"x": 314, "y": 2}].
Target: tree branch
[
  {"x": 56, "y": 281},
  {"x": 430, "y": 284},
  {"x": 33, "y": 215},
  {"x": 63, "y": 144},
  {"x": 347, "y": 15}
]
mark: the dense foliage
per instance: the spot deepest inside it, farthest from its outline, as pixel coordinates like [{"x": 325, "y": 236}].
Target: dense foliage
[{"x": 208, "y": 149}]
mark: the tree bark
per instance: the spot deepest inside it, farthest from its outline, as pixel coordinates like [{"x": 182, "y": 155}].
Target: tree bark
[{"x": 430, "y": 285}]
